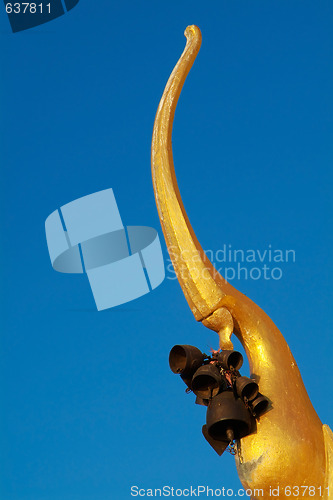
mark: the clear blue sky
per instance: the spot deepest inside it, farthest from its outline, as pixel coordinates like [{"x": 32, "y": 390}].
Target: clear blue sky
[{"x": 89, "y": 406}]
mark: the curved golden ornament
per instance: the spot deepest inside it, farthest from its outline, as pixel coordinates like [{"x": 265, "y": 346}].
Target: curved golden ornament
[{"x": 289, "y": 447}]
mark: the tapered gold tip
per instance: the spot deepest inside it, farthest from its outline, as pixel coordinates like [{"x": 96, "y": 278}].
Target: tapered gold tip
[{"x": 192, "y": 32}]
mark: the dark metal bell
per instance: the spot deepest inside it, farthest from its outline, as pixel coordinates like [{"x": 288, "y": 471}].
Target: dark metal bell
[
  {"x": 230, "y": 359},
  {"x": 185, "y": 359},
  {"x": 228, "y": 418},
  {"x": 246, "y": 388},
  {"x": 259, "y": 405},
  {"x": 207, "y": 381}
]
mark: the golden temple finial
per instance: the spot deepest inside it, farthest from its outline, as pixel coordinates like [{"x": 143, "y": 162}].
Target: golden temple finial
[{"x": 290, "y": 447}]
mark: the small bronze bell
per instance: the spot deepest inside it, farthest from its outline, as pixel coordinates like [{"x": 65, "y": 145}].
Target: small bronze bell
[
  {"x": 246, "y": 388},
  {"x": 230, "y": 359},
  {"x": 185, "y": 359},
  {"x": 259, "y": 405},
  {"x": 207, "y": 381},
  {"x": 228, "y": 418}
]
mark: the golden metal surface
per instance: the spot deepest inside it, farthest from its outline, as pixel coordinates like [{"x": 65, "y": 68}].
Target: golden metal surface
[{"x": 288, "y": 448}]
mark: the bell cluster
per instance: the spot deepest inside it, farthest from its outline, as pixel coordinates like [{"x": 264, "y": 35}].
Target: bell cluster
[{"x": 233, "y": 401}]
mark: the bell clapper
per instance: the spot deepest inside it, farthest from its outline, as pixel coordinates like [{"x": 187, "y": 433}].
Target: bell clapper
[{"x": 230, "y": 435}]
